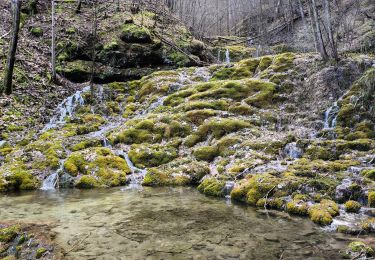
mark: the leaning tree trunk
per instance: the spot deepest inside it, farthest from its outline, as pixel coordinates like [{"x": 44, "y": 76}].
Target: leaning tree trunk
[
  {"x": 93, "y": 51},
  {"x": 79, "y": 5},
  {"x": 53, "y": 45},
  {"x": 8, "y": 72}
]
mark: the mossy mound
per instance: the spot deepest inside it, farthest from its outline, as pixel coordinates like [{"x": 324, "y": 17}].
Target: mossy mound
[
  {"x": 152, "y": 155},
  {"x": 151, "y": 131},
  {"x": 262, "y": 186},
  {"x": 132, "y": 33},
  {"x": 176, "y": 173},
  {"x": 96, "y": 167},
  {"x": 7, "y": 234},
  {"x": 324, "y": 212},
  {"x": 297, "y": 207},
  {"x": 357, "y": 248},
  {"x": 212, "y": 187},
  {"x": 17, "y": 177},
  {"x": 217, "y": 127},
  {"x": 352, "y": 206}
]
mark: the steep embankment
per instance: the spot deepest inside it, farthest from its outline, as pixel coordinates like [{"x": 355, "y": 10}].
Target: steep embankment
[{"x": 256, "y": 130}]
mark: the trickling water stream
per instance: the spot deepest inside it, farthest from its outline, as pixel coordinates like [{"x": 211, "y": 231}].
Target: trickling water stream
[
  {"x": 330, "y": 116},
  {"x": 66, "y": 109},
  {"x": 168, "y": 223},
  {"x": 227, "y": 57}
]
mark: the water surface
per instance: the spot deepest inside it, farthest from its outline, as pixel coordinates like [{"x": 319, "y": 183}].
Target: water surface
[{"x": 168, "y": 223}]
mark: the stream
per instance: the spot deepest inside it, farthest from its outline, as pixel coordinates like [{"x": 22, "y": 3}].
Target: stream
[{"x": 167, "y": 223}]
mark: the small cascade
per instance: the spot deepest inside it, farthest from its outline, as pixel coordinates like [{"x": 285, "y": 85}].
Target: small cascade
[
  {"x": 229, "y": 186},
  {"x": 137, "y": 175},
  {"x": 50, "y": 182},
  {"x": 66, "y": 109},
  {"x": 159, "y": 102},
  {"x": 219, "y": 56},
  {"x": 105, "y": 142},
  {"x": 183, "y": 78},
  {"x": 291, "y": 150},
  {"x": 330, "y": 116},
  {"x": 203, "y": 73},
  {"x": 227, "y": 57}
]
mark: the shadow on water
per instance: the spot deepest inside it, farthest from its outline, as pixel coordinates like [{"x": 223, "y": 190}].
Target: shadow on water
[{"x": 168, "y": 223}]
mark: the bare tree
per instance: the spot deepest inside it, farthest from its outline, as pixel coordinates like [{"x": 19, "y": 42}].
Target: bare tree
[
  {"x": 8, "y": 72},
  {"x": 318, "y": 31},
  {"x": 79, "y": 5},
  {"x": 94, "y": 31},
  {"x": 331, "y": 39},
  {"x": 53, "y": 44}
]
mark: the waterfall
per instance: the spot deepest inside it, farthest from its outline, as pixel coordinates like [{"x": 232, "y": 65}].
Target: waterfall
[
  {"x": 229, "y": 185},
  {"x": 227, "y": 57},
  {"x": 137, "y": 175},
  {"x": 66, "y": 109},
  {"x": 330, "y": 116},
  {"x": 50, "y": 182}
]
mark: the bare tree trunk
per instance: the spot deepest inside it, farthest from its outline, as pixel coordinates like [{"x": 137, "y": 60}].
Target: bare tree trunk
[
  {"x": 93, "y": 51},
  {"x": 79, "y": 5},
  {"x": 329, "y": 29},
  {"x": 291, "y": 14},
  {"x": 302, "y": 15},
  {"x": 319, "y": 38},
  {"x": 228, "y": 18},
  {"x": 53, "y": 44},
  {"x": 8, "y": 72}
]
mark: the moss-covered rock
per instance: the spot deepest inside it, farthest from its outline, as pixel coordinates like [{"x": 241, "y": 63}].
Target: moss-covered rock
[
  {"x": 352, "y": 206},
  {"x": 179, "y": 172},
  {"x": 152, "y": 155},
  {"x": 206, "y": 153},
  {"x": 297, "y": 207},
  {"x": 212, "y": 187},
  {"x": 358, "y": 248},
  {"x": 7, "y": 234},
  {"x": 99, "y": 165},
  {"x": 132, "y": 33},
  {"x": 368, "y": 225},
  {"x": 371, "y": 198},
  {"x": 369, "y": 174},
  {"x": 323, "y": 212},
  {"x": 40, "y": 252},
  {"x": 272, "y": 203},
  {"x": 261, "y": 185}
]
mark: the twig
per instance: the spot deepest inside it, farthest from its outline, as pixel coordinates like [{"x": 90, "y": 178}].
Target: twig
[
  {"x": 266, "y": 197},
  {"x": 5, "y": 35}
]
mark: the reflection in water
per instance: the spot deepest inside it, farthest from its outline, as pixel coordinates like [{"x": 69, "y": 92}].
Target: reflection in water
[{"x": 168, "y": 223}]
